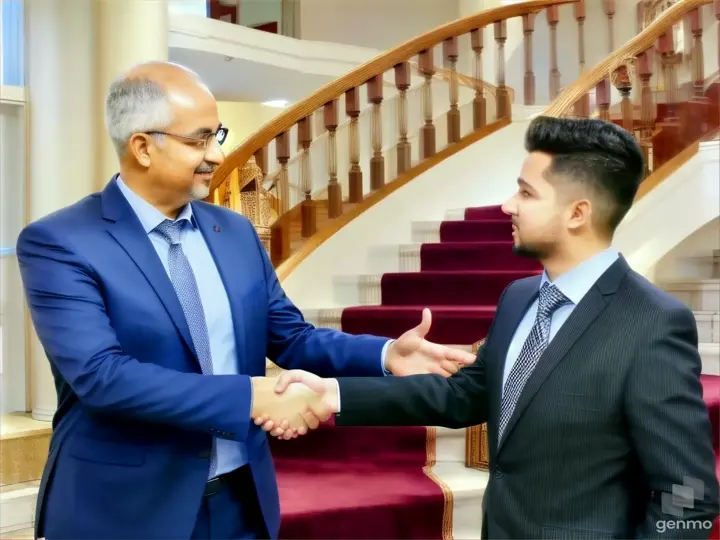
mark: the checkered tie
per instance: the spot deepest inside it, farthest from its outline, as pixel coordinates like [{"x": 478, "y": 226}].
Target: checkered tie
[
  {"x": 183, "y": 279},
  {"x": 550, "y": 300}
]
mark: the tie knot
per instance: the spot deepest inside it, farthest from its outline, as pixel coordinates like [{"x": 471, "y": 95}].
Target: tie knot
[
  {"x": 551, "y": 298},
  {"x": 170, "y": 231}
]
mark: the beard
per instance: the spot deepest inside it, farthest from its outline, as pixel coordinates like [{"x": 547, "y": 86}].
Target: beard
[
  {"x": 537, "y": 250},
  {"x": 199, "y": 191}
]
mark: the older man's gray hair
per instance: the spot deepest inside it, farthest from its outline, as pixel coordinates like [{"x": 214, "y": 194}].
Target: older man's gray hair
[{"x": 137, "y": 104}]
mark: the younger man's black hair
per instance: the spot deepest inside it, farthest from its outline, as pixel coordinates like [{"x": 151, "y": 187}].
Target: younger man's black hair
[{"x": 598, "y": 155}]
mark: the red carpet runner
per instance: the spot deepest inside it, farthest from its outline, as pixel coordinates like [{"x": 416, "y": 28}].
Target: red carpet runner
[{"x": 369, "y": 483}]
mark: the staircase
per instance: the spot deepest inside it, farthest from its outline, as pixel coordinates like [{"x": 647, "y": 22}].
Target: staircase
[
  {"x": 703, "y": 297},
  {"x": 356, "y": 143}
]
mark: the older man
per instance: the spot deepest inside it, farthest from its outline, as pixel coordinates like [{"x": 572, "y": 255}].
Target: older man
[{"x": 157, "y": 313}]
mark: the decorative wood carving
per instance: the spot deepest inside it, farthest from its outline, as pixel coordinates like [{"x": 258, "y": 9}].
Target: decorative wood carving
[{"x": 477, "y": 450}]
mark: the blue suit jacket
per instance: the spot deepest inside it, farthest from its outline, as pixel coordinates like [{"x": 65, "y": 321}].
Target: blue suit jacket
[{"x": 132, "y": 435}]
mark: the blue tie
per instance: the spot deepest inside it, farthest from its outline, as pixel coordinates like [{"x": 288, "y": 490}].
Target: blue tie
[
  {"x": 183, "y": 279},
  {"x": 551, "y": 298}
]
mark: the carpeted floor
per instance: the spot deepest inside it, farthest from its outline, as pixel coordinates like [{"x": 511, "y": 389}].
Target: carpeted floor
[{"x": 370, "y": 483}]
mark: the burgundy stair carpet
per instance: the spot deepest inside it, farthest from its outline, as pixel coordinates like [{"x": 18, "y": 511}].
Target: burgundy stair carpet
[{"x": 369, "y": 483}]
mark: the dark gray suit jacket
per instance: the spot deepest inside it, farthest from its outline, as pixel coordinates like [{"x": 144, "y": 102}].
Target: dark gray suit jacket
[{"x": 611, "y": 418}]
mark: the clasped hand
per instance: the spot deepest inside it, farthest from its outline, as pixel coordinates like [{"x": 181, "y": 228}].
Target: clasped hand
[
  {"x": 303, "y": 400},
  {"x": 292, "y": 407}
]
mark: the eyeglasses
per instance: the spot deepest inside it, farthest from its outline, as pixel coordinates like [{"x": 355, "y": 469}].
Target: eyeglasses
[{"x": 202, "y": 142}]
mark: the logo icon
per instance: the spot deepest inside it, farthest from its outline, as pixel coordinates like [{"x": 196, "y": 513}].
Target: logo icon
[{"x": 682, "y": 496}]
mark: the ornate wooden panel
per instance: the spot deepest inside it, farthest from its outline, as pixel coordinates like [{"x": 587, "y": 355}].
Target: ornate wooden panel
[{"x": 477, "y": 451}]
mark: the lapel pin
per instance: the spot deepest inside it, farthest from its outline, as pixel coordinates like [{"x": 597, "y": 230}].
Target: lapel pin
[{"x": 217, "y": 229}]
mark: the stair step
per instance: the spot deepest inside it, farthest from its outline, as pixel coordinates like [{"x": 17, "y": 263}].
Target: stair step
[
  {"x": 461, "y": 231},
  {"x": 468, "y": 489},
  {"x": 460, "y": 325},
  {"x": 447, "y": 288},
  {"x": 17, "y": 507},
  {"x": 485, "y": 212},
  {"x": 708, "y": 325},
  {"x": 710, "y": 355},
  {"x": 698, "y": 294}
]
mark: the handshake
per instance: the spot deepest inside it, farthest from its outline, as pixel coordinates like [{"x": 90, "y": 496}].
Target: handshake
[
  {"x": 289, "y": 405},
  {"x": 293, "y": 403}
]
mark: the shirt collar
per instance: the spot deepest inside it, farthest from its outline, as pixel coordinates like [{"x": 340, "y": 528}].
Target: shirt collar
[
  {"x": 149, "y": 216},
  {"x": 575, "y": 283}
]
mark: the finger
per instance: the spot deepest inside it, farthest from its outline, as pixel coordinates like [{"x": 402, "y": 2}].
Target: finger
[
  {"x": 277, "y": 432},
  {"x": 269, "y": 425},
  {"x": 311, "y": 420},
  {"x": 449, "y": 366},
  {"x": 463, "y": 358},
  {"x": 286, "y": 378},
  {"x": 424, "y": 327}
]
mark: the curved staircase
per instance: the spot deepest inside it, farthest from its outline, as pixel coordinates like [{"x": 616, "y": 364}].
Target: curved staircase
[
  {"x": 357, "y": 142},
  {"x": 428, "y": 482}
]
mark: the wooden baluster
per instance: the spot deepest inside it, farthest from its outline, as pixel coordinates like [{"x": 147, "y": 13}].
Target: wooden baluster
[
  {"x": 402, "y": 83},
  {"x": 669, "y": 60},
  {"x": 355, "y": 177},
  {"x": 330, "y": 113},
  {"x": 427, "y": 68},
  {"x": 282, "y": 153},
  {"x": 553, "y": 18},
  {"x": 717, "y": 16},
  {"x": 479, "y": 105},
  {"x": 648, "y": 111},
  {"x": 503, "y": 96},
  {"x": 529, "y": 82},
  {"x": 377, "y": 161},
  {"x": 450, "y": 52},
  {"x": 280, "y": 236},
  {"x": 698, "y": 61},
  {"x": 602, "y": 99},
  {"x": 308, "y": 209},
  {"x": 609, "y": 8},
  {"x": 623, "y": 83},
  {"x": 582, "y": 105}
]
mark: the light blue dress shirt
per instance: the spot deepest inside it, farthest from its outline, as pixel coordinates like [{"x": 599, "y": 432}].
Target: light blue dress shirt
[
  {"x": 574, "y": 285},
  {"x": 216, "y": 306}
]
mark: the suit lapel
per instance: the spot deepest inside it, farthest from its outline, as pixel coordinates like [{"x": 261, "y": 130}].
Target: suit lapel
[
  {"x": 125, "y": 227},
  {"x": 224, "y": 248},
  {"x": 574, "y": 327}
]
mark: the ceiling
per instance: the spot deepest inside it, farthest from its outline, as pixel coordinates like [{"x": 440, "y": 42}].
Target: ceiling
[{"x": 238, "y": 79}]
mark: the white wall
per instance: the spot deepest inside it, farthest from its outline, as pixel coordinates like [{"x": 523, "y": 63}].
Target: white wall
[
  {"x": 681, "y": 205},
  {"x": 378, "y": 24},
  {"x": 691, "y": 258}
]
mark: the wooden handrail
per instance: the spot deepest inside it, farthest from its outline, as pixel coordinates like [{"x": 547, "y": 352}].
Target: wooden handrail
[
  {"x": 669, "y": 167},
  {"x": 360, "y": 75},
  {"x": 637, "y": 45}
]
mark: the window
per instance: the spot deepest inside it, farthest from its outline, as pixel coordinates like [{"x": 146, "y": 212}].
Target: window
[
  {"x": 12, "y": 33},
  {"x": 13, "y": 326}
]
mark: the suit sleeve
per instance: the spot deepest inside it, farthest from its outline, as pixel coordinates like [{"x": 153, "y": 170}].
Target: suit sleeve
[
  {"x": 416, "y": 400},
  {"x": 670, "y": 428},
  {"x": 68, "y": 311},
  {"x": 293, "y": 343}
]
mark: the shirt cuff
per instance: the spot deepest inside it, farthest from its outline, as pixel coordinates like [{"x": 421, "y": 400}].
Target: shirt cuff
[
  {"x": 337, "y": 384},
  {"x": 383, "y": 354}
]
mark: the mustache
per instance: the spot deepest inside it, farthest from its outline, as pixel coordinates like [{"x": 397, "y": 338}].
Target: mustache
[{"x": 206, "y": 168}]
